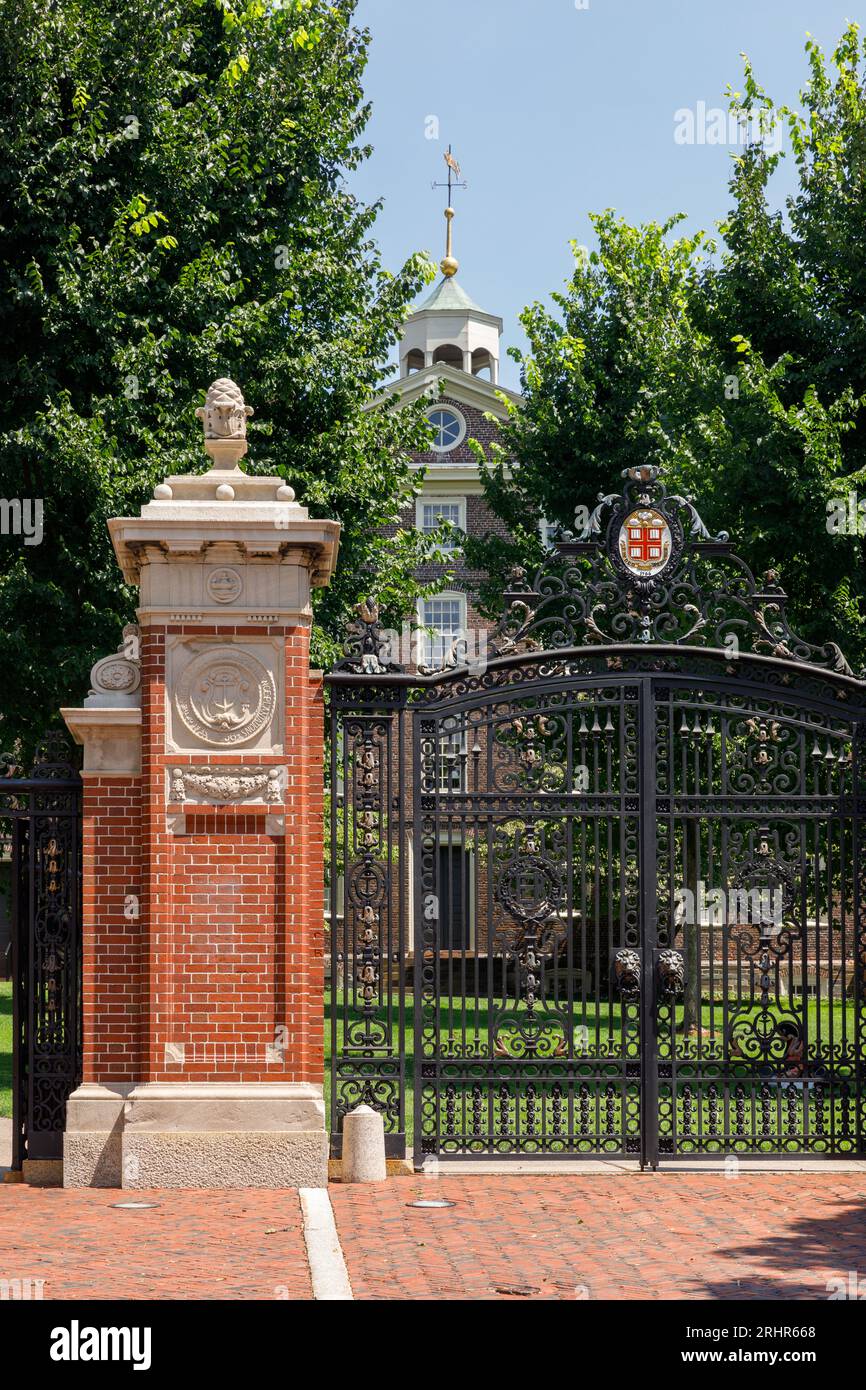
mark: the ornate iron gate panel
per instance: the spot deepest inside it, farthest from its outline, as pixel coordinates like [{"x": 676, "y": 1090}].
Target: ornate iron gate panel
[
  {"x": 40, "y": 841},
  {"x": 605, "y": 894},
  {"x": 757, "y": 1014},
  {"x": 368, "y": 908},
  {"x": 527, "y": 1029}
]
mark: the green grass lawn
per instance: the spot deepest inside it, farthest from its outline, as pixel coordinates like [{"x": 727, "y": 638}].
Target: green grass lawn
[
  {"x": 467, "y": 1024},
  {"x": 6, "y": 1048},
  {"x": 475, "y": 1029}
]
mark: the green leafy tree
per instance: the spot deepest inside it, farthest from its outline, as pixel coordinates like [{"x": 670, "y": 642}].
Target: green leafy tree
[
  {"x": 174, "y": 208},
  {"x": 741, "y": 373}
]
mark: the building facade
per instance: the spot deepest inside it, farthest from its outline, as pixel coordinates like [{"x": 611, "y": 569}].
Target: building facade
[{"x": 449, "y": 353}]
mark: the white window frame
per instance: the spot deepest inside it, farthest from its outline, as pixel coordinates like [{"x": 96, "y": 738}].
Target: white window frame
[
  {"x": 453, "y": 594},
  {"x": 433, "y": 499},
  {"x": 461, "y": 419},
  {"x": 452, "y": 740}
]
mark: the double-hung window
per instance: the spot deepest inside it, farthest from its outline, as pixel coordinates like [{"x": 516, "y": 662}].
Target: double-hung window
[
  {"x": 443, "y": 621},
  {"x": 430, "y": 512}
]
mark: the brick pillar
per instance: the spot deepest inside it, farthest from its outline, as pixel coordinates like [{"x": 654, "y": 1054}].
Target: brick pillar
[{"x": 203, "y": 853}]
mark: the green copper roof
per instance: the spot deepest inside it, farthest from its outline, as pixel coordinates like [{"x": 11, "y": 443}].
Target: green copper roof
[{"x": 448, "y": 295}]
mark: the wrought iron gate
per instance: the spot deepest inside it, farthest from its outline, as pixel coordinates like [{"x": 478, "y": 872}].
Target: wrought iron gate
[
  {"x": 40, "y": 850},
  {"x": 605, "y": 899}
]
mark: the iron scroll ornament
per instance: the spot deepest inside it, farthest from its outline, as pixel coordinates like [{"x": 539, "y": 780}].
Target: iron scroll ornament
[{"x": 695, "y": 589}]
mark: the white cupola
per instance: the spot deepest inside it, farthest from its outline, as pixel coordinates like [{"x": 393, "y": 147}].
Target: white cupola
[{"x": 450, "y": 329}]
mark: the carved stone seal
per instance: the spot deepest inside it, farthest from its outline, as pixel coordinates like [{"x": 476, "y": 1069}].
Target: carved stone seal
[{"x": 225, "y": 697}]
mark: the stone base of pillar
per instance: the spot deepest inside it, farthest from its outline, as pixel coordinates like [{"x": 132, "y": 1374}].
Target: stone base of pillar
[
  {"x": 92, "y": 1141},
  {"x": 197, "y": 1135}
]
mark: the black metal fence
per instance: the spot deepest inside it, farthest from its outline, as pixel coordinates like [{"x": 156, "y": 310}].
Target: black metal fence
[
  {"x": 604, "y": 894},
  {"x": 40, "y": 844}
]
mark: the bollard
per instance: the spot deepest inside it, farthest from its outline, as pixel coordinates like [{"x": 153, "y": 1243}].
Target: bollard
[{"x": 364, "y": 1146}]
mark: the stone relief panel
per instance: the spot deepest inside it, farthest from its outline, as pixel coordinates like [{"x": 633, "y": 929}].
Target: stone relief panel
[
  {"x": 225, "y": 696},
  {"x": 222, "y": 784},
  {"x": 224, "y": 584}
]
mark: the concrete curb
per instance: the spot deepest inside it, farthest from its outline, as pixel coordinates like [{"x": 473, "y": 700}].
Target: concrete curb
[{"x": 328, "y": 1272}]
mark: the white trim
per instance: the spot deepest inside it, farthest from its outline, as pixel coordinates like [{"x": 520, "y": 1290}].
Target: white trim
[
  {"x": 447, "y": 408},
  {"x": 455, "y": 311},
  {"x": 328, "y": 1273},
  {"x": 467, "y": 389}
]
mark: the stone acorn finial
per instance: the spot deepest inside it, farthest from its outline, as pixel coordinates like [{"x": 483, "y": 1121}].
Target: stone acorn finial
[{"x": 224, "y": 416}]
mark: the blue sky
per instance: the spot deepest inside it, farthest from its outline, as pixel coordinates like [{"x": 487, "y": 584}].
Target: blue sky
[{"x": 556, "y": 111}]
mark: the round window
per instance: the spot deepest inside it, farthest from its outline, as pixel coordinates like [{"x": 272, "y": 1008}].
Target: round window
[{"x": 448, "y": 428}]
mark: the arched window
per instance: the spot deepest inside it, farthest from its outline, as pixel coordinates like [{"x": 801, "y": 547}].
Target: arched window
[{"x": 449, "y": 355}]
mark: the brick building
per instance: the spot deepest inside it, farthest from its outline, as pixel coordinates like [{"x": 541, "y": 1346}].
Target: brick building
[{"x": 449, "y": 351}]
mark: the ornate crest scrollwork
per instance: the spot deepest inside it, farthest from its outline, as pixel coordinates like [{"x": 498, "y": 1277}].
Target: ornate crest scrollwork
[
  {"x": 645, "y": 569},
  {"x": 529, "y": 886},
  {"x": 54, "y": 758}
]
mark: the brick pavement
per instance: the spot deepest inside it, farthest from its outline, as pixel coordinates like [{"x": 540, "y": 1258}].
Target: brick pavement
[
  {"x": 197, "y": 1245},
  {"x": 620, "y": 1236},
  {"x": 623, "y": 1236}
]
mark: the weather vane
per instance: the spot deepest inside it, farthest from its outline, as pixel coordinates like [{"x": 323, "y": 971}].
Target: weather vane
[{"x": 450, "y": 264}]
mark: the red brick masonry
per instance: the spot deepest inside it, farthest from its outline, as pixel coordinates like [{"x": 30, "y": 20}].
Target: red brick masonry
[
  {"x": 623, "y": 1236},
  {"x": 211, "y": 940}
]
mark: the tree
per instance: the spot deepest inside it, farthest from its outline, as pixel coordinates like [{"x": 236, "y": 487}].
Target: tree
[
  {"x": 742, "y": 375},
  {"x": 174, "y": 209}
]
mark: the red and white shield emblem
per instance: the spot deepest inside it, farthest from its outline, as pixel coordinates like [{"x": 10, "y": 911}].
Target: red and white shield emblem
[{"x": 645, "y": 541}]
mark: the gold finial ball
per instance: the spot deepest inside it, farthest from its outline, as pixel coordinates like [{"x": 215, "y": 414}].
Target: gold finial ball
[{"x": 449, "y": 265}]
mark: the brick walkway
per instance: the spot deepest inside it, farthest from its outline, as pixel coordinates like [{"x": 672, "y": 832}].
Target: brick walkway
[
  {"x": 232, "y": 1245},
  {"x": 640, "y": 1236},
  {"x": 626, "y": 1236}
]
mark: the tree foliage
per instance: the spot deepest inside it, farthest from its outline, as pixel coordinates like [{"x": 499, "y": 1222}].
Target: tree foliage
[
  {"x": 174, "y": 208},
  {"x": 738, "y": 364}
]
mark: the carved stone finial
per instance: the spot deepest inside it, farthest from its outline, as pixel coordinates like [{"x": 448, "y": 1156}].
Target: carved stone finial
[
  {"x": 224, "y": 412},
  {"x": 224, "y": 416},
  {"x": 116, "y": 679}
]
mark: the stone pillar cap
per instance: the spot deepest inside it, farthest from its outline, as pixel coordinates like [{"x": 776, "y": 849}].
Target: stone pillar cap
[{"x": 192, "y": 511}]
